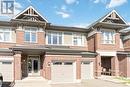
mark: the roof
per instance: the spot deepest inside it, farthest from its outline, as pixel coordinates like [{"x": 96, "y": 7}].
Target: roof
[
  {"x": 67, "y": 28},
  {"x": 100, "y": 21},
  {"x": 52, "y": 49}
]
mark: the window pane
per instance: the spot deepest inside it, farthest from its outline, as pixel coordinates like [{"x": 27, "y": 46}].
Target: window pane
[
  {"x": 75, "y": 41},
  {"x": 33, "y": 29},
  {"x": 27, "y": 36},
  {"x": 6, "y": 29},
  {"x": 49, "y": 38},
  {"x": 33, "y": 35},
  {"x": 1, "y": 36},
  {"x": 54, "y": 39},
  {"x": 79, "y": 41},
  {"x": 6, "y": 36},
  {"x": 27, "y": 30},
  {"x": 108, "y": 37},
  {"x": 60, "y": 39}
]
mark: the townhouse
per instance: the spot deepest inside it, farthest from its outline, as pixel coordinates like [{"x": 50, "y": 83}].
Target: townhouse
[{"x": 31, "y": 46}]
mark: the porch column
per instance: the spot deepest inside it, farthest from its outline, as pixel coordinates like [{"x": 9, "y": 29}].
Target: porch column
[
  {"x": 98, "y": 65},
  {"x": 115, "y": 66},
  {"x": 17, "y": 65},
  {"x": 128, "y": 64}
]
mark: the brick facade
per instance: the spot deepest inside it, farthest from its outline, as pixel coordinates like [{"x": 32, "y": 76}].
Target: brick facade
[{"x": 88, "y": 52}]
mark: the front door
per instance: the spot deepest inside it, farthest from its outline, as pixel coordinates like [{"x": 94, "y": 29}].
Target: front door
[{"x": 33, "y": 65}]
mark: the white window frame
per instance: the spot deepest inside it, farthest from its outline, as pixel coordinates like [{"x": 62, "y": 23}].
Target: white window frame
[
  {"x": 51, "y": 32},
  {"x": 2, "y": 30},
  {"x": 109, "y": 41},
  {"x": 30, "y": 31},
  {"x": 82, "y": 37},
  {"x": 63, "y": 44}
]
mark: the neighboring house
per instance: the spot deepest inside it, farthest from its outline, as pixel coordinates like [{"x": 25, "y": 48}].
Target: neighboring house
[{"x": 30, "y": 46}]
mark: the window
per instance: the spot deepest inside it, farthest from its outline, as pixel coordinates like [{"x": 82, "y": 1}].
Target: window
[
  {"x": 108, "y": 37},
  {"x": 6, "y": 62},
  {"x": 54, "y": 38},
  {"x": 30, "y": 35},
  {"x": 5, "y": 35},
  {"x": 85, "y": 63},
  {"x": 57, "y": 63},
  {"x": 68, "y": 63},
  {"x": 78, "y": 39}
]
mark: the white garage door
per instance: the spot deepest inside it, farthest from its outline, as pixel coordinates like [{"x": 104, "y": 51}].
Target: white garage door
[
  {"x": 86, "y": 70},
  {"x": 63, "y": 71},
  {"x": 6, "y": 68}
]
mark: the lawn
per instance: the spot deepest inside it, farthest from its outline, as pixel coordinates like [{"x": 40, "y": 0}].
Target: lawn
[{"x": 123, "y": 80}]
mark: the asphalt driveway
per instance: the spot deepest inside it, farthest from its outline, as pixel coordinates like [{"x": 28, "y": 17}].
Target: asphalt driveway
[{"x": 91, "y": 83}]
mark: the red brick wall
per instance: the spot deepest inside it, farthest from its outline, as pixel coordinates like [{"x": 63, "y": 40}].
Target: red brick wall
[
  {"x": 6, "y": 45},
  {"x": 17, "y": 66},
  {"x": 100, "y": 46},
  {"x": 124, "y": 63},
  {"x": 41, "y": 38},
  {"x": 127, "y": 45},
  {"x": 91, "y": 43},
  {"x": 19, "y": 37}
]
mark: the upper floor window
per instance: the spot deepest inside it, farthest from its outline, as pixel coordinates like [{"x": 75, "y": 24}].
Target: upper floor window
[
  {"x": 54, "y": 38},
  {"x": 108, "y": 37},
  {"x": 30, "y": 35},
  {"x": 78, "y": 39},
  {"x": 5, "y": 34}
]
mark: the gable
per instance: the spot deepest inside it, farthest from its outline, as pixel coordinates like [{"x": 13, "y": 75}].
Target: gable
[
  {"x": 30, "y": 14},
  {"x": 113, "y": 17}
]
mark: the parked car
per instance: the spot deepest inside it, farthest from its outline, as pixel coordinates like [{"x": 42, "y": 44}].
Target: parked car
[{"x": 1, "y": 80}]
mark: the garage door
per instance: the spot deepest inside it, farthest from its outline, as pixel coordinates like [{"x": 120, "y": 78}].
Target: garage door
[
  {"x": 63, "y": 71},
  {"x": 6, "y": 68},
  {"x": 86, "y": 70}
]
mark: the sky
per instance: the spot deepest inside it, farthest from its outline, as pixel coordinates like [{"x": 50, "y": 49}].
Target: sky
[{"x": 76, "y": 13}]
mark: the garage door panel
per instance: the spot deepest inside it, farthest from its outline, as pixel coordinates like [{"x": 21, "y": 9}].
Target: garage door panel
[
  {"x": 6, "y": 68},
  {"x": 63, "y": 72},
  {"x": 87, "y": 70}
]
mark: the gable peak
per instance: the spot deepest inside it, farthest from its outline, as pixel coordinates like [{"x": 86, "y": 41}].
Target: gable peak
[
  {"x": 30, "y": 13},
  {"x": 113, "y": 17}
]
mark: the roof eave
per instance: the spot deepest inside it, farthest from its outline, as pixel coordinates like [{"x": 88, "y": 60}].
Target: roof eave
[{"x": 66, "y": 28}]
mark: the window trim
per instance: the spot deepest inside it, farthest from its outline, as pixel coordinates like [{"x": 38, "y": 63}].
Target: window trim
[
  {"x": 82, "y": 36},
  {"x": 30, "y": 34},
  {"x": 107, "y": 30},
  {"x": 10, "y": 31},
  {"x": 51, "y": 37},
  {"x": 63, "y": 35}
]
